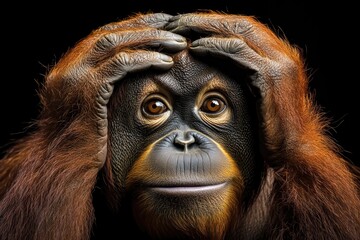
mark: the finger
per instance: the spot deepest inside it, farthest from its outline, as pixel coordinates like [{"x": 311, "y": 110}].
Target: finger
[
  {"x": 184, "y": 23},
  {"x": 154, "y": 20},
  {"x": 109, "y": 43},
  {"x": 252, "y": 31},
  {"x": 233, "y": 48},
  {"x": 123, "y": 63},
  {"x": 117, "y": 68},
  {"x": 238, "y": 50}
]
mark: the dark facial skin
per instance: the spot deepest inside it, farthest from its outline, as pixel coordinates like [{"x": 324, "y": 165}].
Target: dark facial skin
[
  {"x": 183, "y": 148},
  {"x": 148, "y": 130}
]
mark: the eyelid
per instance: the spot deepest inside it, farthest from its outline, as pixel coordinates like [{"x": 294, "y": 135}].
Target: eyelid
[
  {"x": 216, "y": 119},
  {"x": 215, "y": 95},
  {"x": 210, "y": 100},
  {"x": 153, "y": 97}
]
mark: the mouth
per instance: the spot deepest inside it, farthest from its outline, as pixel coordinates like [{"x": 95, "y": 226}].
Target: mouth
[{"x": 185, "y": 190}]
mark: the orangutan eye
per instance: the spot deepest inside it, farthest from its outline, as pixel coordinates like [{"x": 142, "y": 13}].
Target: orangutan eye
[
  {"x": 155, "y": 107},
  {"x": 213, "y": 105}
]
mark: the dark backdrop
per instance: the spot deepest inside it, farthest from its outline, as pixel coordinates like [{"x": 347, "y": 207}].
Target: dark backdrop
[{"x": 35, "y": 36}]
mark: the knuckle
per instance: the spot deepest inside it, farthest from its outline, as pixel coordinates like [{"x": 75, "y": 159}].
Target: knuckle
[
  {"x": 107, "y": 27},
  {"x": 155, "y": 33},
  {"x": 238, "y": 26},
  {"x": 231, "y": 46},
  {"x": 235, "y": 45},
  {"x": 128, "y": 59},
  {"x": 123, "y": 58},
  {"x": 106, "y": 41},
  {"x": 186, "y": 20},
  {"x": 155, "y": 20}
]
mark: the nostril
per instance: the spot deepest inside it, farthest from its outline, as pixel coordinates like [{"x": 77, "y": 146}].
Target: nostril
[{"x": 184, "y": 140}]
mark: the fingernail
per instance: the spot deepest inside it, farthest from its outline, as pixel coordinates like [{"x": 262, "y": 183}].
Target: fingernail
[
  {"x": 179, "y": 38},
  {"x": 175, "y": 37},
  {"x": 165, "y": 58},
  {"x": 194, "y": 44}
]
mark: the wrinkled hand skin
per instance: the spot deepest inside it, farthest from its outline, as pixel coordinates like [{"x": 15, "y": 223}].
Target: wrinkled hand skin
[
  {"x": 78, "y": 88},
  {"x": 277, "y": 68},
  {"x": 54, "y": 183}
]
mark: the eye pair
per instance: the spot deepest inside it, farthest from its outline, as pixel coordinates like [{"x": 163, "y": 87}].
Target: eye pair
[{"x": 211, "y": 105}]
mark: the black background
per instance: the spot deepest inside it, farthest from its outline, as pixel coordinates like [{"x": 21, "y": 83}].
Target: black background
[{"x": 35, "y": 36}]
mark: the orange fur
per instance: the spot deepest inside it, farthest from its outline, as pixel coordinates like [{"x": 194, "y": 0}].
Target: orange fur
[{"x": 47, "y": 179}]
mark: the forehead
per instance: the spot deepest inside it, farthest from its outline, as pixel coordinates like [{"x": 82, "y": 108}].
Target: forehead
[{"x": 188, "y": 75}]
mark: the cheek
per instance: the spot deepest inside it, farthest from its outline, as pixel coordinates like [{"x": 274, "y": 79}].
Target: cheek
[
  {"x": 243, "y": 145},
  {"x": 124, "y": 143},
  {"x": 122, "y": 156}
]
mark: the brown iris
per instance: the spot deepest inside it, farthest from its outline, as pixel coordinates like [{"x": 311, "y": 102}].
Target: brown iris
[
  {"x": 213, "y": 105},
  {"x": 155, "y": 107}
]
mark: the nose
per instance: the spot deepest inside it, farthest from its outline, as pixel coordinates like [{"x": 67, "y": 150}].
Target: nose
[{"x": 184, "y": 140}]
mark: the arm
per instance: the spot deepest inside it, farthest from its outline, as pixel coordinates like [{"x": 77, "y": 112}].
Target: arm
[
  {"x": 47, "y": 179},
  {"x": 314, "y": 194}
]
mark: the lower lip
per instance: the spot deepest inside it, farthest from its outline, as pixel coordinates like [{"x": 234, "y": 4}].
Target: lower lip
[{"x": 189, "y": 189}]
